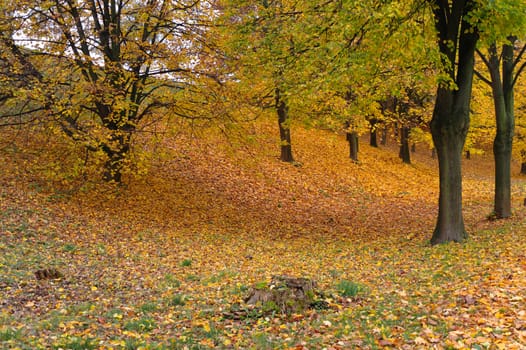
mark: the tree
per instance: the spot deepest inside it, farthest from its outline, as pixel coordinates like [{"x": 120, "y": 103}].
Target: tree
[
  {"x": 263, "y": 51},
  {"x": 115, "y": 63},
  {"x": 352, "y": 138},
  {"x": 502, "y": 90},
  {"x": 503, "y": 22},
  {"x": 457, "y": 39},
  {"x": 408, "y": 109}
]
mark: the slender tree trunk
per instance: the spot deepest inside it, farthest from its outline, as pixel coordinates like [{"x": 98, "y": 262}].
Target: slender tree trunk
[
  {"x": 413, "y": 148},
  {"x": 352, "y": 137},
  {"x": 383, "y": 137},
  {"x": 404, "y": 145},
  {"x": 284, "y": 129},
  {"x": 502, "y": 90},
  {"x": 373, "y": 141},
  {"x": 523, "y": 168}
]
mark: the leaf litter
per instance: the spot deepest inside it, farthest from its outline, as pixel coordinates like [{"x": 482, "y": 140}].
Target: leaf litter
[{"x": 163, "y": 262}]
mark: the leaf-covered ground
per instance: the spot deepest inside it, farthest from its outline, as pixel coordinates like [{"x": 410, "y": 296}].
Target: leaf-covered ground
[{"x": 166, "y": 261}]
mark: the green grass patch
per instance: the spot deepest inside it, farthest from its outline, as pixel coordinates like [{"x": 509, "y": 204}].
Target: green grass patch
[
  {"x": 349, "y": 289},
  {"x": 177, "y": 300},
  {"x": 186, "y": 263},
  {"x": 171, "y": 281},
  {"x": 76, "y": 343},
  {"x": 9, "y": 334},
  {"x": 148, "y": 307},
  {"x": 142, "y": 325}
]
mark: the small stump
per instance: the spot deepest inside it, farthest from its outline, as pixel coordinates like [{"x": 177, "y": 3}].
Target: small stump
[
  {"x": 48, "y": 274},
  {"x": 284, "y": 294}
]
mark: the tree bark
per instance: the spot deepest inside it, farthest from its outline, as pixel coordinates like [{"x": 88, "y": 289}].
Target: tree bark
[
  {"x": 502, "y": 89},
  {"x": 117, "y": 153},
  {"x": 449, "y": 142},
  {"x": 373, "y": 141},
  {"x": 383, "y": 137},
  {"x": 450, "y": 122},
  {"x": 284, "y": 129},
  {"x": 404, "y": 145},
  {"x": 352, "y": 137},
  {"x": 523, "y": 168}
]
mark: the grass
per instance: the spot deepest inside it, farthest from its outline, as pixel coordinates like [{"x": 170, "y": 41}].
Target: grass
[
  {"x": 349, "y": 289},
  {"x": 76, "y": 343},
  {"x": 167, "y": 262},
  {"x": 142, "y": 325},
  {"x": 177, "y": 300},
  {"x": 186, "y": 263},
  {"x": 9, "y": 334}
]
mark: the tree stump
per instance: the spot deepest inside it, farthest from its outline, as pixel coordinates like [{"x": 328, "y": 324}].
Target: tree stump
[
  {"x": 48, "y": 274},
  {"x": 284, "y": 294}
]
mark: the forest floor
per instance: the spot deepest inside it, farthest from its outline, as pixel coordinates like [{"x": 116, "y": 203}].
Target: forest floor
[{"x": 166, "y": 261}]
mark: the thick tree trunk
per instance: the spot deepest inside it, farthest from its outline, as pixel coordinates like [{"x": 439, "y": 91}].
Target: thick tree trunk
[
  {"x": 502, "y": 90},
  {"x": 450, "y": 122},
  {"x": 284, "y": 129},
  {"x": 449, "y": 142},
  {"x": 404, "y": 145},
  {"x": 113, "y": 167},
  {"x": 117, "y": 154}
]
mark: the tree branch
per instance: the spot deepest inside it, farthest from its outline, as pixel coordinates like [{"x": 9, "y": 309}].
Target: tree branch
[
  {"x": 481, "y": 77},
  {"x": 519, "y": 71}
]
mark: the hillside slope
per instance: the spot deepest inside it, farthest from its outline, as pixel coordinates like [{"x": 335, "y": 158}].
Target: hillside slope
[{"x": 165, "y": 261}]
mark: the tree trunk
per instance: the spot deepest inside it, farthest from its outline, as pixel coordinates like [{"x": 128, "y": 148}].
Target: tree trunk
[
  {"x": 383, "y": 137},
  {"x": 468, "y": 154},
  {"x": 449, "y": 142},
  {"x": 117, "y": 153},
  {"x": 284, "y": 129},
  {"x": 373, "y": 141},
  {"x": 450, "y": 122},
  {"x": 502, "y": 202},
  {"x": 352, "y": 137},
  {"x": 523, "y": 168},
  {"x": 502, "y": 90},
  {"x": 404, "y": 145}
]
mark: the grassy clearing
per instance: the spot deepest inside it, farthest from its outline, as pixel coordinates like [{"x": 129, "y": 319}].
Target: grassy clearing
[{"x": 166, "y": 263}]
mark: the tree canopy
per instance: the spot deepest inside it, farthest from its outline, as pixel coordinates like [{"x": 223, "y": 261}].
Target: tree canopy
[{"x": 102, "y": 66}]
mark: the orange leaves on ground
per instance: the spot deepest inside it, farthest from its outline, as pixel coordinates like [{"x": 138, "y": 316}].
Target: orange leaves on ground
[{"x": 168, "y": 258}]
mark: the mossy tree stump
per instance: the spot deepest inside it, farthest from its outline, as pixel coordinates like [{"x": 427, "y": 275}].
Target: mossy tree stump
[{"x": 284, "y": 294}]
